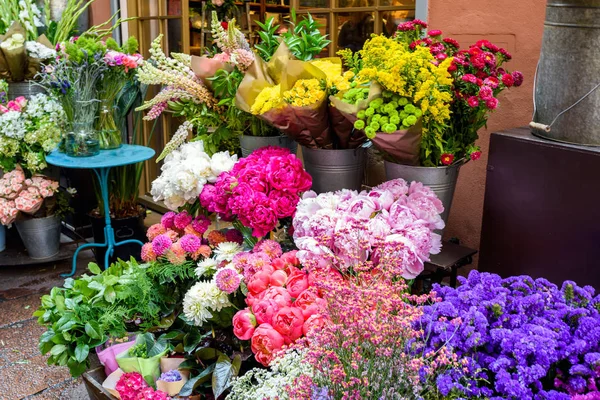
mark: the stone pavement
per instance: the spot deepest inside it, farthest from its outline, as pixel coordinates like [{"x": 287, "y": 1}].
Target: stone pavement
[{"x": 24, "y": 373}]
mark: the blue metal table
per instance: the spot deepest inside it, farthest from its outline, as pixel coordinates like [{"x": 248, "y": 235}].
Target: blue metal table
[{"x": 101, "y": 165}]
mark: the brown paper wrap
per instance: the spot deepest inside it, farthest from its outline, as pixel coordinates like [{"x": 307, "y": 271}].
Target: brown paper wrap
[
  {"x": 402, "y": 146},
  {"x": 34, "y": 65},
  {"x": 16, "y": 59},
  {"x": 309, "y": 125},
  {"x": 343, "y": 116}
]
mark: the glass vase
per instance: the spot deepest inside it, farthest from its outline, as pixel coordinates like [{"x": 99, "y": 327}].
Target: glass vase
[
  {"x": 108, "y": 132},
  {"x": 82, "y": 140}
]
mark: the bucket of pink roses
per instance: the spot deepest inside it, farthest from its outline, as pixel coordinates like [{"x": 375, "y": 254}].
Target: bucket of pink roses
[{"x": 426, "y": 126}]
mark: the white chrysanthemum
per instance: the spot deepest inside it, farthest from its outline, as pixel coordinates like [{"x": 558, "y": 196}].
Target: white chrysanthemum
[
  {"x": 226, "y": 251},
  {"x": 202, "y": 300},
  {"x": 208, "y": 265}
]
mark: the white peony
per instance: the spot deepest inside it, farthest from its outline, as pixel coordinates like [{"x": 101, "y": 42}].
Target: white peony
[
  {"x": 222, "y": 162},
  {"x": 201, "y": 300}
]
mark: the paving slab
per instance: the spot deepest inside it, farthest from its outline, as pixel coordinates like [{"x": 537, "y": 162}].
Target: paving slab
[{"x": 19, "y": 310}]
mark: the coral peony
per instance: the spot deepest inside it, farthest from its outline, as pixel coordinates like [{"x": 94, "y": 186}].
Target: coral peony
[
  {"x": 244, "y": 323},
  {"x": 265, "y": 342},
  {"x": 289, "y": 322},
  {"x": 264, "y": 310},
  {"x": 297, "y": 283}
]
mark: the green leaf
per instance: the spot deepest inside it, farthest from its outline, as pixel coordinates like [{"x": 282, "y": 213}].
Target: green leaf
[
  {"x": 96, "y": 286},
  {"x": 92, "y": 331},
  {"x": 47, "y": 336},
  {"x": 58, "y": 349},
  {"x": 76, "y": 368},
  {"x": 94, "y": 268},
  {"x": 81, "y": 352},
  {"x": 196, "y": 381},
  {"x": 69, "y": 283},
  {"x": 110, "y": 295},
  {"x": 45, "y": 347},
  {"x": 221, "y": 378}
]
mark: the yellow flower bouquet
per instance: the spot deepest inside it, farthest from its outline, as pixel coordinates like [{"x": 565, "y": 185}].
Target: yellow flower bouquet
[
  {"x": 291, "y": 95},
  {"x": 414, "y": 91}
]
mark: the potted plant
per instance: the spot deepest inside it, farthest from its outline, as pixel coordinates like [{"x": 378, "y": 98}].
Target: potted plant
[{"x": 36, "y": 206}]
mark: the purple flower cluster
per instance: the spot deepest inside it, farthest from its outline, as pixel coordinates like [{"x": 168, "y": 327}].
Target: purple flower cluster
[{"x": 522, "y": 338}]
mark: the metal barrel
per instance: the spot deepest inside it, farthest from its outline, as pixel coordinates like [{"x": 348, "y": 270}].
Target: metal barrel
[
  {"x": 333, "y": 170},
  {"x": 568, "y": 70},
  {"x": 25, "y": 89},
  {"x": 442, "y": 180},
  {"x": 250, "y": 143},
  {"x": 41, "y": 236}
]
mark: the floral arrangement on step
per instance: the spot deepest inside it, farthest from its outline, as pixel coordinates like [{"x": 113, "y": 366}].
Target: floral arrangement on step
[
  {"x": 259, "y": 193},
  {"x": 29, "y": 130},
  {"x": 478, "y": 78},
  {"x": 393, "y": 213}
]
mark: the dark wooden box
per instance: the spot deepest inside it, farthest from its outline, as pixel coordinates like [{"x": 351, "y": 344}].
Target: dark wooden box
[{"x": 542, "y": 209}]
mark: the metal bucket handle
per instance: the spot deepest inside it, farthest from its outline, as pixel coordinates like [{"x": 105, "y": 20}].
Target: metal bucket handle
[{"x": 547, "y": 128}]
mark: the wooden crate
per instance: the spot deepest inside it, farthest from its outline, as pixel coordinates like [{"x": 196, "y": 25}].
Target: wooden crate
[{"x": 93, "y": 383}]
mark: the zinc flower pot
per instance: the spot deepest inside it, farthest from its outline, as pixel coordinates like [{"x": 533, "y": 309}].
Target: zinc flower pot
[
  {"x": 442, "y": 180},
  {"x": 250, "y": 143},
  {"x": 2, "y": 238},
  {"x": 25, "y": 89},
  {"x": 41, "y": 236},
  {"x": 333, "y": 170}
]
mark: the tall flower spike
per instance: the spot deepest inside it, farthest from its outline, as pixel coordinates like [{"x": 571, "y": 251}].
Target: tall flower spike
[{"x": 178, "y": 139}]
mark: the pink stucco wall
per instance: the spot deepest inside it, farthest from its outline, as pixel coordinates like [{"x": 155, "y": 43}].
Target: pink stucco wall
[{"x": 516, "y": 25}]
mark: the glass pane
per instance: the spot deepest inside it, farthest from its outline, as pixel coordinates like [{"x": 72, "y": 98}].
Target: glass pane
[
  {"x": 173, "y": 36},
  {"x": 391, "y": 19},
  {"x": 403, "y": 3},
  {"x": 354, "y": 29},
  {"x": 314, "y": 4},
  {"x": 356, "y": 3}
]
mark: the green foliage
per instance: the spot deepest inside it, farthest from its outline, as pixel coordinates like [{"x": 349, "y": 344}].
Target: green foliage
[
  {"x": 84, "y": 49},
  {"x": 351, "y": 61},
  {"x": 85, "y": 312},
  {"x": 305, "y": 40},
  {"x": 269, "y": 41},
  {"x": 139, "y": 350}
]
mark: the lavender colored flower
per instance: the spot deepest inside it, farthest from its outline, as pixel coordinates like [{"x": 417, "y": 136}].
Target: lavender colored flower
[
  {"x": 170, "y": 376},
  {"x": 161, "y": 244}
]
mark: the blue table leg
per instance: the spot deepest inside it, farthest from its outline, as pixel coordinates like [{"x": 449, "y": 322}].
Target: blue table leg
[{"x": 109, "y": 233}]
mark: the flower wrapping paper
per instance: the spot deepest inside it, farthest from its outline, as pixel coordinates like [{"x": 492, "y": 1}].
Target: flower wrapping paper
[
  {"x": 108, "y": 356},
  {"x": 149, "y": 368}
]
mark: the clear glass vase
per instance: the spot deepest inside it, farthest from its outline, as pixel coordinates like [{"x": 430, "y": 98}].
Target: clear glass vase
[
  {"x": 108, "y": 132},
  {"x": 82, "y": 140}
]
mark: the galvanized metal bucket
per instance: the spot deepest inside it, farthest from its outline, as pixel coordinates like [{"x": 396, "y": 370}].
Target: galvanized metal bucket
[
  {"x": 333, "y": 170},
  {"x": 25, "y": 89},
  {"x": 2, "y": 238},
  {"x": 567, "y": 87},
  {"x": 251, "y": 143},
  {"x": 41, "y": 236},
  {"x": 442, "y": 180}
]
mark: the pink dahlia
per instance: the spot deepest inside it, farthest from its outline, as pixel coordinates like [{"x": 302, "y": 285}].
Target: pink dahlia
[
  {"x": 227, "y": 280},
  {"x": 182, "y": 220},
  {"x": 176, "y": 255},
  {"x": 155, "y": 230},
  {"x": 168, "y": 219},
  {"x": 148, "y": 254},
  {"x": 190, "y": 243},
  {"x": 201, "y": 224},
  {"x": 161, "y": 244},
  {"x": 270, "y": 247}
]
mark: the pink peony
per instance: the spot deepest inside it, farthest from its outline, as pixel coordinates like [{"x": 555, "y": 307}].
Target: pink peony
[
  {"x": 309, "y": 302},
  {"x": 264, "y": 310},
  {"x": 278, "y": 278},
  {"x": 283, "y": 203},
  {"x": 279, "y": 295},
  {"x": 297, "y": 283},
  {"x": 287, "y": 173},
  {"x": 262, "y": 220},
  {"x": 289, "y": 322},
  {"x": 397, "y": 187},
  {"x": 227, "y": 280},
  {"x": 259, "y": 282},
  {"x": 244, "y": 323},
  {"x": 265, "y": 342},
  {"x": 314, "y": 322}
]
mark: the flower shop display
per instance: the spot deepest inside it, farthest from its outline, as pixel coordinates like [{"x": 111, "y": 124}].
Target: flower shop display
[
  {"x": 187, "y": 170},
  {"x": 29, "y": 130},
  {"x": 28, "y": 35},
  {"x": 132, "y": 386},
  {"x": 260, "y": 192},
  {"x": 144, "y": 357},
  {"x": 394, "y": 212},
  {"x": 36, "y": 206}
]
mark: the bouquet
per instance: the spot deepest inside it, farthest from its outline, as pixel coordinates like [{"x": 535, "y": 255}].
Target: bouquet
[
  {"x": 403, "y": 105},
  {"x": 478, "y": 78},
  {"x": 294, "y": 102},
  {"x": 132, "y": 386},
  {"x": 121, "y": 63},
  {"x": 259, "y": 191},
  {"x": 356, "y": 227},
  {"x": 272, "y": 319},
  {"x": 30, "y": 129},
  {"x": 27, "y": 196},
  {"x": 187, "y": 170}
]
